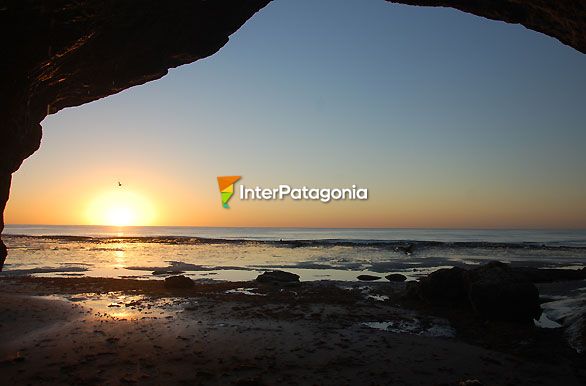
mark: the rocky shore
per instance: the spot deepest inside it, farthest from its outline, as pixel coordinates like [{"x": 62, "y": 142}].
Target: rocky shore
[{"x": 454, "y": 327}]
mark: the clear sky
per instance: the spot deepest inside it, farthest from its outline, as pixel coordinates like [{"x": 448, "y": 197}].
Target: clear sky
[{"x": 448, "y": 119}]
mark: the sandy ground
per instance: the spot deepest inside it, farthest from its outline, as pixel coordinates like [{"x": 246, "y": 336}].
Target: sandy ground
[{"x": 112, "y": 332}]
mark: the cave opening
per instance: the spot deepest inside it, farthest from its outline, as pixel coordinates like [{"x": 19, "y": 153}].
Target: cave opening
[{"x": 305, "y": 82}]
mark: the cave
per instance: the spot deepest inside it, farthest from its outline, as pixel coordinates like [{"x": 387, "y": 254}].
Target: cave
[{"x": 67, "y": 53}]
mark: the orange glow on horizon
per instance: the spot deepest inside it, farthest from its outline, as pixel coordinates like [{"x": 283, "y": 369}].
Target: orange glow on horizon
[{"x": 120, "y": 208}]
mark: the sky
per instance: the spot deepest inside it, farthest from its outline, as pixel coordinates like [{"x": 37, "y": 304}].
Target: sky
[{"x": 449, "y": 120}]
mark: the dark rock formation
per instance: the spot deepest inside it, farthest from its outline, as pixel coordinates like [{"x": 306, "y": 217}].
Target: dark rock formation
[
  {"x": 445, "y": 286},
  {"x": 548, "y": 275},
  {"x": 498, "y": 293},
  {"x": 5, "y": 179},
  {"x": 178, "y": 282},
  {"x": 494, "y": 291},
  {"x": 277, "y": 277},
  {"x": 63, "y": 53},
  {"x": 564, "y": 20},
  {"x": 396, "y": 277},
  {"x": 166, "y": 272},
  {"x": 576, "y": 332},
  {"x": 367, "y": 277}
]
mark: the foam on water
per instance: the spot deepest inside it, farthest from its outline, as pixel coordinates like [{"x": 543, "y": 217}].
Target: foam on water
[
  {"x": 569, "y": 313},
  {"x": 431, "y": 328},
  {"x": 242, "y": 253}
]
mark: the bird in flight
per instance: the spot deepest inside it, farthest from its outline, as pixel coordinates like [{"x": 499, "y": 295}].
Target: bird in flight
[{"x": 119, "y": 184}]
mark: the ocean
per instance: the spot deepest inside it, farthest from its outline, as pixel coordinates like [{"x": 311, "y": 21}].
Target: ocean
[{"x": 242, "y": 253}]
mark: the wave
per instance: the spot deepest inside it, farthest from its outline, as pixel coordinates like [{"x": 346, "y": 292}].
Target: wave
[
  {"x": 406, "y": 246},
  {"x": 31, "y": 271}
]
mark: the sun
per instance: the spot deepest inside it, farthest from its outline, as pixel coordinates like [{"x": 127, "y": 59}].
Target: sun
[
  {"x": 120, "y": 208},
  {"x": 120, "y": 216}
]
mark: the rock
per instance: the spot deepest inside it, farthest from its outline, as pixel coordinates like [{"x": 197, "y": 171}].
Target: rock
[
  {"x": 498, "y": 293},
  {"x": 548, "y": 275},
  {"x": 178, "y": 282},
  {"x": 367, "y": 277},
  {"x": 579, "y": 342},
  {"x": 3, "y": 251},
  {"x": 493, "y": 291},
  {"x": 166, "y": 272},
  {"x": 446, "y": 285},
  {"x": 396, "y": 277},
  {"x": 64, "y": 43},
  {"x": 470, "y": 382},
  {"x": 412, "y": 290},
  {"x": 277, "y": 277},
  {"x": 574, "y": 323}
]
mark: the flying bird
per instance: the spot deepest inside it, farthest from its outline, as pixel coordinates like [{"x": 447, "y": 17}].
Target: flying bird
[{"x": 119, "y": 184}]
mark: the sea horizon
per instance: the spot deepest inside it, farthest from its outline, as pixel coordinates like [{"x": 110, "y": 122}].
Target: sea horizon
[
  {"x": 507, "y": 228},
  {"x": 559, "y": 237}
]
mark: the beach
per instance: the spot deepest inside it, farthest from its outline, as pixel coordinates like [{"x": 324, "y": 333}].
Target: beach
[
  {"x": 124, "y": 331},
  {"x": 249, "y": 306}
]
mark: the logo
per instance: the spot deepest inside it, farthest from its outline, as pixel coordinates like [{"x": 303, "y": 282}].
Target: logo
[
  {"x": 325, "y": 195},
  {"x": 226, "y": 184}
]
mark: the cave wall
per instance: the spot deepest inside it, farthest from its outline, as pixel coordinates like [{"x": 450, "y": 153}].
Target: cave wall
[
  {"x": 63, "y": 53},
  {"x": 564, "y": 20}
]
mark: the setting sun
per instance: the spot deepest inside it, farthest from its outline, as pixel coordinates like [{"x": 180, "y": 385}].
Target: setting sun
[{"x": 120, "y": 208}]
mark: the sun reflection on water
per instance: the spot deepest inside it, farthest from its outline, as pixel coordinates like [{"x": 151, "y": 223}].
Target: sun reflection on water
[
  {"x": 119, "y": 259},
  {"x": 120, "y": 307}
]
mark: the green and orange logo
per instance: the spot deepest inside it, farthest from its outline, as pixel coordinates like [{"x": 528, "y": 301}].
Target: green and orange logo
[{"x": 226, "y": 184}]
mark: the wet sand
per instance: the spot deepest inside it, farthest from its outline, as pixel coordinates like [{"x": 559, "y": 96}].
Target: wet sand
[{"x": 116, "y": 331}]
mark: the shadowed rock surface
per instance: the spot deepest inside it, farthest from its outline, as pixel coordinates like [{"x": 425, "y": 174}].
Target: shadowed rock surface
[
  {"x": 497, "y": 292},
  {"x": 396, "y": 277},
  {"x": 179, "y": 282},
  {"x": 563, "y": 19},
  {"x": 367, "y": 277},
  {"x": 215, "y": 334},
  {"x": 278, "y": 277},
  {"x": 493, "y": 291},
  {"x": 444, "y": 286},
  {"x": 66, "y": 53},
  {"x": 548, "y": 275}
]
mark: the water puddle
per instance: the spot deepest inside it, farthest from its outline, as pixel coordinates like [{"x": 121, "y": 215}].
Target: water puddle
[{"x": 119, "y": 306}]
